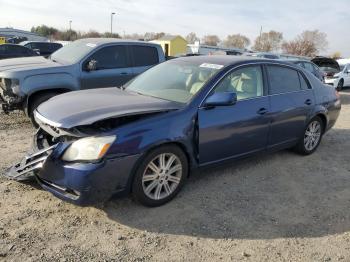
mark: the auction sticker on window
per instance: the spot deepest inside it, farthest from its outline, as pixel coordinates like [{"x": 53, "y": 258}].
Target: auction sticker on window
[
  {"x": 90, "y": 45},
  {"x": 212, "y": 66}
]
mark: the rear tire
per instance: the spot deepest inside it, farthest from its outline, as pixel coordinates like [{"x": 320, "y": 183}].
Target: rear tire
[
  {"x": 311, "y": 138},
  {"x": 36, "y": 101},
  {"x": 160, "y": 176}
]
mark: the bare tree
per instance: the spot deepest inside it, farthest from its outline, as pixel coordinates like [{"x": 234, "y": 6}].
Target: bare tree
[
  {"x": 308, "y": 43},
  {"x": 90, "y": 34},
  {"x": 149, "y": 36},
  {"x": 212, "y": 40},
  {"x": 237, "y": 41},
  {"x": 267, "y": 42},
  {"x": 191, "y": 38},
  {"x": 134, "y": 36},
  {"x": 336, "y": 55}
]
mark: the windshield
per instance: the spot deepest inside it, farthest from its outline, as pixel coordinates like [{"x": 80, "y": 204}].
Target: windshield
[
  {"x": 73, "y": 52},
  {"x": 175, "y": 80}
]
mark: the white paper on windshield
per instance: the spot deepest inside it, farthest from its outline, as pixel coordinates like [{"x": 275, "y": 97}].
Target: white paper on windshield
[
  {"x": 212, "y": 66},
  {"x": 90, "y": 45}
]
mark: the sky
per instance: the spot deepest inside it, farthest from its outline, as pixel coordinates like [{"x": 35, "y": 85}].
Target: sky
[{"x": 184, "y": 16}]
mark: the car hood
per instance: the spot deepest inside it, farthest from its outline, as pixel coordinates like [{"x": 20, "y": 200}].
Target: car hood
[
  {"x": 26, "y": 63},
  {"x": 89, "y": 106}
]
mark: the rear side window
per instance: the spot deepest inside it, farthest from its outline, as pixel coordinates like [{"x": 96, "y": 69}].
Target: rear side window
[
  {"x": 303, "y": 83},
  {"x": 309, "y": 67},
  {"x": 145, "y": 55},
  {"x": 111, "y": 57},
  {"x": 282, "y": 80}
]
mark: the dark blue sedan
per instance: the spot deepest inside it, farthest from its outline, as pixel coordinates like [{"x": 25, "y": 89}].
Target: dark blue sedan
[{"x": 146, "y": 137}]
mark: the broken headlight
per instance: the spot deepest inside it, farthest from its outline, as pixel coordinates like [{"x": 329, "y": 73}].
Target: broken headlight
[
  {"x": 11, "y": 84},
  {"x": 89, "y": 148}
]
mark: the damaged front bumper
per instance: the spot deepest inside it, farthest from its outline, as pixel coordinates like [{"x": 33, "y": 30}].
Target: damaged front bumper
[
  {"x": 10, "y": 101},
  {"x": 31, "y": 163},
  {"x": 81, "y": 183}
]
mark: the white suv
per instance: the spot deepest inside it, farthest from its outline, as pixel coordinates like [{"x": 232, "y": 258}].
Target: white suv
[{"x": 342, "y": 78}]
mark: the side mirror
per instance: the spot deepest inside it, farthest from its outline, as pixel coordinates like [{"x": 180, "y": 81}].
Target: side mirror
[
  {"x": 348, "y": 71},
  {"x": 221, "y": 99},
  {"x": 91, "y": 65}
]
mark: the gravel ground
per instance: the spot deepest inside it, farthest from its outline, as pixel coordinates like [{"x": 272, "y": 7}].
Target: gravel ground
[{"x": 277, "y": 207}]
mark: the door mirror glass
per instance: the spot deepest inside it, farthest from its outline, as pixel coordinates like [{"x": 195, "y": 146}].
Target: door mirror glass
[
  {"x": 221, "y": 99},
  {"x": 91, "y": 65}
]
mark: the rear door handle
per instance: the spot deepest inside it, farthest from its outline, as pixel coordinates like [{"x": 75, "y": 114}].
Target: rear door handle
[
  {"x": 308, "y": 102},
  {"x": 262, "y": 111},
  {"x": 124, "y": 73}
]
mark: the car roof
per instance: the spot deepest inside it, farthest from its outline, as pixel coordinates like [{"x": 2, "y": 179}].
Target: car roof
[
  {"x": 296, "y": 60},
  {"x": 44, "y": 42},
  {"x": 227, "y": 60},
  {"x": 9, "y": 44},
  {"x": 103, "y": 41}
]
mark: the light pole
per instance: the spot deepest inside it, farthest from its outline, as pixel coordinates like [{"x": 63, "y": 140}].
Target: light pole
[
  {"x": 112, "y": 23},
  {"x": 70, "y": 30}
]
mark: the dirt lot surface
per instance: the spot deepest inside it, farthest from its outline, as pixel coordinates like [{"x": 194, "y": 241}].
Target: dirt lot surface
[{"x": 278, "y": 207}]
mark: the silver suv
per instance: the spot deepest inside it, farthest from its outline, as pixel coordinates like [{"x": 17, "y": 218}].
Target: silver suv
[{"x": 25, "y": 83}]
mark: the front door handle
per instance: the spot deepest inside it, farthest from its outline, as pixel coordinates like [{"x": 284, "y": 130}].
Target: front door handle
[
  {"x": 124, "y": 73},
  {"x": 262, "y": 111},
  {"x": 308, "y": 102}
]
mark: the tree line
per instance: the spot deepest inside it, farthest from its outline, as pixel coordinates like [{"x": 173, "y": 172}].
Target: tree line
[{"x": 308, "y": 43}]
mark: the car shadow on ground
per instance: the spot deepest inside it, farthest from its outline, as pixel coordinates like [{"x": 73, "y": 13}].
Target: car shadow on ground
[
  {"x": 265, "y": 197},
  {"x": 345, "y": 96}
]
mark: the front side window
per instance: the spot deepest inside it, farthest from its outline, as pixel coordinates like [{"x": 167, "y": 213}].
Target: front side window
[
  {"x": 111, "y": 57},
  {"x": 282, "y": 80},
  {"x": 145, "y": 55},
  {"x": 246, "y": 82}
]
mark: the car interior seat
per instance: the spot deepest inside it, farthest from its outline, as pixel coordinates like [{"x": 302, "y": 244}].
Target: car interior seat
[{"x": 203, "y": 77}]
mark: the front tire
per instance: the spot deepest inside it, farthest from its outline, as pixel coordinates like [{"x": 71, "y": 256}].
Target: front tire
[
  {"x": 36, "y": 101},
  {"x": 160, "y": 176},
  {"x": 311, "y": 138}
]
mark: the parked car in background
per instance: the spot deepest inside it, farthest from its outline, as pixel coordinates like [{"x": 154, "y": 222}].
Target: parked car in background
[
  {"x": 15, "y": 51},
  {"x": 329, "y": 66},
  {"x": 84, "y": 64},
  {"x": 16, "y": 39},
  {"x": 263, "y": 55},
  {"x": 42, "y": 48},
  {"x": 183, "y": 114},
  {"x": 309, "y": 66},
  {"x": 342, "y": 79}
]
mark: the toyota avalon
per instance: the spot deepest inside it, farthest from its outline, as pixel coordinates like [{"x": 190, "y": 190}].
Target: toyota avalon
[{"x": 190, "y": 112}]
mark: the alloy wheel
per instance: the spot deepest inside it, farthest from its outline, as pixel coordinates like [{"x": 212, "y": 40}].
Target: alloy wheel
[
  {"x": 162, "y": 176},
  {"x": 312, "y": 135}
]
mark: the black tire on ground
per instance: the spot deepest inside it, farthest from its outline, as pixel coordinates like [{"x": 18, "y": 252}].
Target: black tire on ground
[
  {"x": 139, "y": 186},
  {"x": 340, "y": 85},
  {"x": 301, "y": 148},
  {"x": 36, "y": 101}
]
